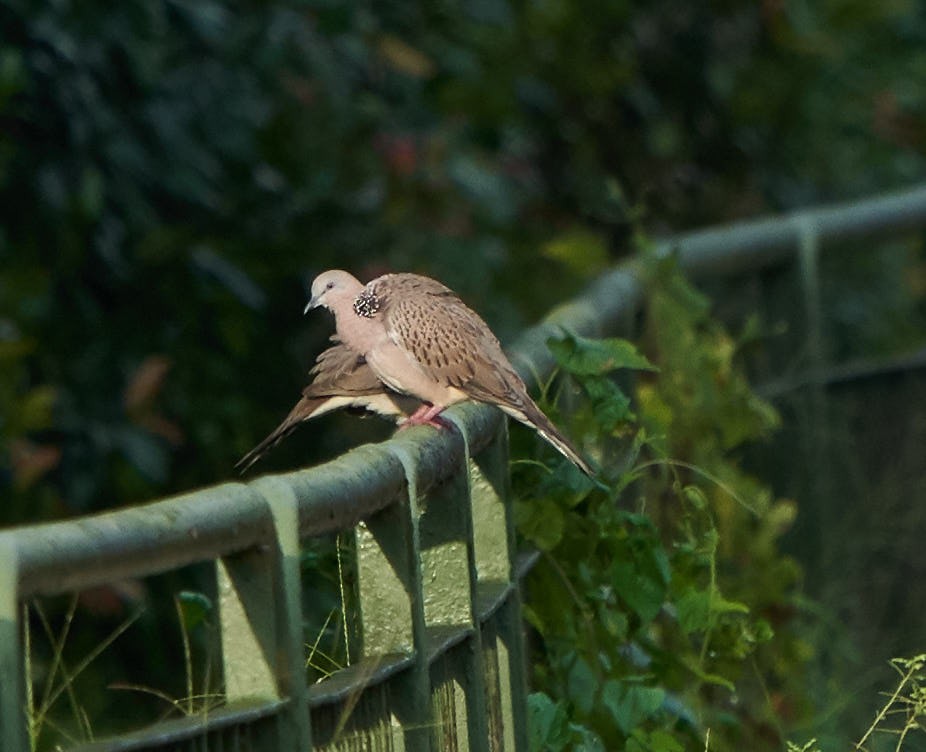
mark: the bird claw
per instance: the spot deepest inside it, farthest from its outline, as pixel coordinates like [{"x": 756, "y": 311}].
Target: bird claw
[{"x": 427, "y": 415}]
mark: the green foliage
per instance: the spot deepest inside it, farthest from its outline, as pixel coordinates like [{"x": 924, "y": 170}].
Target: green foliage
[
  {"x": 581, "y": 356},
  {"x": 193, "y": 609},
  {"x": 901, "y": 721},
  {"x": 66, "y": 703},
  {"x": 668, "y": 611},
  {"x": 906, "y": 702},
  {"x": 57, "y": 687}
]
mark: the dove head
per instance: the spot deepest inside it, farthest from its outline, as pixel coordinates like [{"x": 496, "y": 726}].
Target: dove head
[{"x": 334, "y": 289}]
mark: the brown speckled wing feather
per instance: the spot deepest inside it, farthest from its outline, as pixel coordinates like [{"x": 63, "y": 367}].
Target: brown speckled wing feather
[
  {"x": 449, "y": 340},
  {"x": 340, "y": 371},
  {"x": 455, "y": 347}
]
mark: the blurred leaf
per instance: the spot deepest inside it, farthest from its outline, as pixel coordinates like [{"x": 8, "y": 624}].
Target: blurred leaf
[
  {"x": 677, "y": 302},
  {"x": 582, "y": 684},
  {"x": 540, "y": 521},
  {"x": 12, "y": 74},
  {"x": 548, "y": 723},
  {"x": 231, "y": 277},
  {"x": 615, "y": 623},
  {"x": 631, "y": 704},
  {"x": 655, "y": 741},
  {"x": 404, "y": 58},
  {"x": 693, "y": 665},
  {"x": 91, "y": 194},
  {"x": 36, "y": 409},
  {"x": 568, "y": 484},
  {"x": 146, "y": 382},
  {"x": 585, "y": 740},
  {"x": 483, "y": 185},
  {"x": 581, "y": 251},
  {"x": 146, "y": 454},
  {"x": 31, "y": 462},
  {"x": 695, "y": 497},
  {"x": 694, "y": 610},
  {"x": 15, "y": 349},
  {"x": 697, "y": 609},
  {"x": 195, "y": 608},
  {"x": 582, "y": 356},
  {"x": 611, "y": 407},
  {"x": 640, "y": 574}
]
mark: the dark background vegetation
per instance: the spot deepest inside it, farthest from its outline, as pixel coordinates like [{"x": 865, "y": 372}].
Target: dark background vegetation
[{"x": 172, "y": 174}]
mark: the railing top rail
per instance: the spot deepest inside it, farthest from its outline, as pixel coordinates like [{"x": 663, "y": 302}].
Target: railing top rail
[
  {"x": 152, "y": 538},
  {"x": 198, "y": 526},
  {"x": 203, "y": 524},
  {"x": 748, "y": 246}
]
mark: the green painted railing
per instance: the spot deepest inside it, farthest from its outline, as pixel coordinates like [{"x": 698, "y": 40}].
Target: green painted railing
[{"x": 441, "y": 664}]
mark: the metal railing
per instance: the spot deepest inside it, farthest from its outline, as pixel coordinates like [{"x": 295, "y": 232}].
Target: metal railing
[{"x": 442, "y": 659}]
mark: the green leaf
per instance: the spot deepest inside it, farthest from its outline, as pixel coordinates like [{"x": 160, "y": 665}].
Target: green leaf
[
  {"x": 484, "y": 185},
  {"x": 631, "y": 704},
  {"x": 722, "y": 606},
  {"x": 533, "y": 617},
  {"x": 146, "y": 453},
  {"x": 657, "y": 741},
  {"x": 640, "y": 573},
  {"x": 697, "y": 609},
  {"x": 585, "y": 740},
  {"x": 691, "y": 663},
  {"x": 194, "y": 608},
  {"x": 548, "y": 723},
  {"x": 641, "y": 591},
  {"x": 614, "y": 622},
  {"x": 35, "y": 409},
  {"x": 569, "y": 485},
  {"x": 581, "y": 251},
  {"x": 671, "y": 288},
  {"x": 695, "y": 496},
  {"x": 582, "y": 356},
  {"x": 611, "y": 406},
  {"x": 762, "y": 631},
  {"x": 694, "y": 610},
  {"x": 540, "y": 521},
  {"x": 582, "y": 684},
  {"x": 663, "y": 741},
  {"x": 15, "y": 349}
]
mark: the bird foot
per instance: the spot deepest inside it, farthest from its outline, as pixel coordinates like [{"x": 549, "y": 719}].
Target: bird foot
[{"x": 427, "y": 415}]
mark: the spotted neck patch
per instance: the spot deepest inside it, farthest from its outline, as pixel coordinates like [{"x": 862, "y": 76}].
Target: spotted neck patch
[{"x": 367, "y": 304}]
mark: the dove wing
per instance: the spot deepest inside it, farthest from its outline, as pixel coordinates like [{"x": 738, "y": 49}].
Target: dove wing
[
  {"x": 449, "y": 341},
  {"x": 341, "y": 378}
]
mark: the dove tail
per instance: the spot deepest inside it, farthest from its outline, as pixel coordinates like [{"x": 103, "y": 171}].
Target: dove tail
[
  {"x": 276, "y": 436},
  {"x": 533, "y": 417},
  {"x": 304, "y": 410}
]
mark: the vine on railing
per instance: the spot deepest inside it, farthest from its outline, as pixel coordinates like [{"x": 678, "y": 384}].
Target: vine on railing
[{"x": 667, "y": 617}]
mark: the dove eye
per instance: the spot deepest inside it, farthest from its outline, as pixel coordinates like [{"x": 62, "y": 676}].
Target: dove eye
[{"x": 329, "y": 286}]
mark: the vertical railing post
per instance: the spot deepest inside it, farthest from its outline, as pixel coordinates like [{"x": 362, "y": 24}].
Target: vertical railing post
[
  {"x": 450, "y": 592},
  {"x": 443, "y": 530},
  {"x": 808, "y": 246},
  {"x": 261, "y": 622},
  {"x": 819, "y": 450},
  {"x": 495, "y": 554},
  {"x": 392, "y": 612},
  {"x": 295, "y": 731},
  {"x": 14, "y": 730}
]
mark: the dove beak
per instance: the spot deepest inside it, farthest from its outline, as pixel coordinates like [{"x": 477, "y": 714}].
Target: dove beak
[{"x": 314, "y": 302}]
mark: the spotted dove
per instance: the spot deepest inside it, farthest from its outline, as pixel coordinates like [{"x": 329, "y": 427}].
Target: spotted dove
[{"x": 421, "y": 340}]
